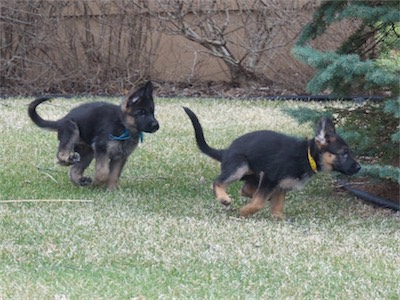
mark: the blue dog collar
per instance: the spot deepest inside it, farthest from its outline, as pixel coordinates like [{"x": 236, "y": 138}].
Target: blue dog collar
[{"x": 126, "y": 136}]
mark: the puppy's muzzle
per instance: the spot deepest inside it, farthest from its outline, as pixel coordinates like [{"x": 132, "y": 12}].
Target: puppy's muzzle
[
  {"x": 355, "y": 167},
  {"x": 153, "y": 126}
]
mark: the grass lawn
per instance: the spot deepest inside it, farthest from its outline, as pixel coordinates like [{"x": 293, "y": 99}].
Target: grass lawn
[{"x": 163, "y": 236}]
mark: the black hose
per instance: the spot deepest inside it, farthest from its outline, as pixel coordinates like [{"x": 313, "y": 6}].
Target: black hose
[
  {"x": 383, "y": 202},
  {"x": 302, "y": 98}
]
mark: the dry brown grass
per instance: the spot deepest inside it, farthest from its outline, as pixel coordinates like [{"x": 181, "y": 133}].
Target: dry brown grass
[{"x": 162, "y": 235}]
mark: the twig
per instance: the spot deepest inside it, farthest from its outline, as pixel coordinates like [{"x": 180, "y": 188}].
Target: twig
[
  {"x": 51, "y": 177},
  {"x": 341, "y": 183},
  {"x": 47, "y": 169},
  {"x": 45, "y": 200},
  {"x": 144, "y": 177}
]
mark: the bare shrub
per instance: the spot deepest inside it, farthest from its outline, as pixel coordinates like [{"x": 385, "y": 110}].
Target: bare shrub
[
  {"x": 97, "y": 46},
  {"x": 245, "y": 35},
  {"x": 74, "y": 46}
]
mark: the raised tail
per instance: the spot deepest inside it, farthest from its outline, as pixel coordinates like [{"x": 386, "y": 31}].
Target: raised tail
[
  {"x": 201, "y": 142},
  {"x": 36, "y": 118}
]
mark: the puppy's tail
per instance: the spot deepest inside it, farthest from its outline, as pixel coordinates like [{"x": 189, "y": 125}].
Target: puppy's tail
[
  {"x": 201, "y": 142},
  {"x": 36, "y": 118}
]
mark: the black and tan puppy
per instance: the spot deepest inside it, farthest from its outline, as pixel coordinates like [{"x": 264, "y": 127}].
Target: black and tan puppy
[
  {"x": 103, "y": 131},
  {"x": 272, "y": 163}
]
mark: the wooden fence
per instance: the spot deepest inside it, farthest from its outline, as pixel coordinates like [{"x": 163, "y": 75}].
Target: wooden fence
[{"x": 69, "y": 46}]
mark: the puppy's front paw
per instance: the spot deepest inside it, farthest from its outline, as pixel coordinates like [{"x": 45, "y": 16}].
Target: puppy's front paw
[
  {"x": 74, "y": 158},
  {"x": 67, "y": 159},
  {"x": 85, "y": 181},
  {"x": 225, "y": 201}
]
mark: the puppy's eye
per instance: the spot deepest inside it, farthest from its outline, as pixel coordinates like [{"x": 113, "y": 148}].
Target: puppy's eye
[{"x": 141, "y": 112}]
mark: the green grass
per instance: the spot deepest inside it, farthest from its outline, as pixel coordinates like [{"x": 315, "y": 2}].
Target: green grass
[{"x": 163, "y": 236}]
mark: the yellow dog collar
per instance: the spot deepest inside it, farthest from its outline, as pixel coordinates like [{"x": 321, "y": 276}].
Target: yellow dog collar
[{"x": 311, "y": 160}]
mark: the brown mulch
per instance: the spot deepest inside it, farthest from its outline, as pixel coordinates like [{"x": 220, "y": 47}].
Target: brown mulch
[
  {"x": 221, "y": 90},
  {"x": 383, "y": 188}
]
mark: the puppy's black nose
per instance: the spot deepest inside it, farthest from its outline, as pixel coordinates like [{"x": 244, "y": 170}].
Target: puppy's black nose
[
  {"x": 154, "y": 126},
  {"x": 356, "y": 167}
]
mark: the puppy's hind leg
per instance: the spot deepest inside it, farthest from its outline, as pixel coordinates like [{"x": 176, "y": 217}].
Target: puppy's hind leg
[
  {"x": 257, "y": 203},
  {"x": 260, "y": 195},
  {"x": 68, "y": 135},
  {"x": 230, "y": 173},
  {"x": 250, "y": 186}
]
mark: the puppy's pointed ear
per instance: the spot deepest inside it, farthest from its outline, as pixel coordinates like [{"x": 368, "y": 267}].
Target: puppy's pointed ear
[
  {"x": 148, "y": 89},
  {"x": 325, "y": 127},
  {"x": 140, "y": 94}
]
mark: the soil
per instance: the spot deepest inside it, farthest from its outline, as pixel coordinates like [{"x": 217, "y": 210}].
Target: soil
[{"x": 386, "y": 189}]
